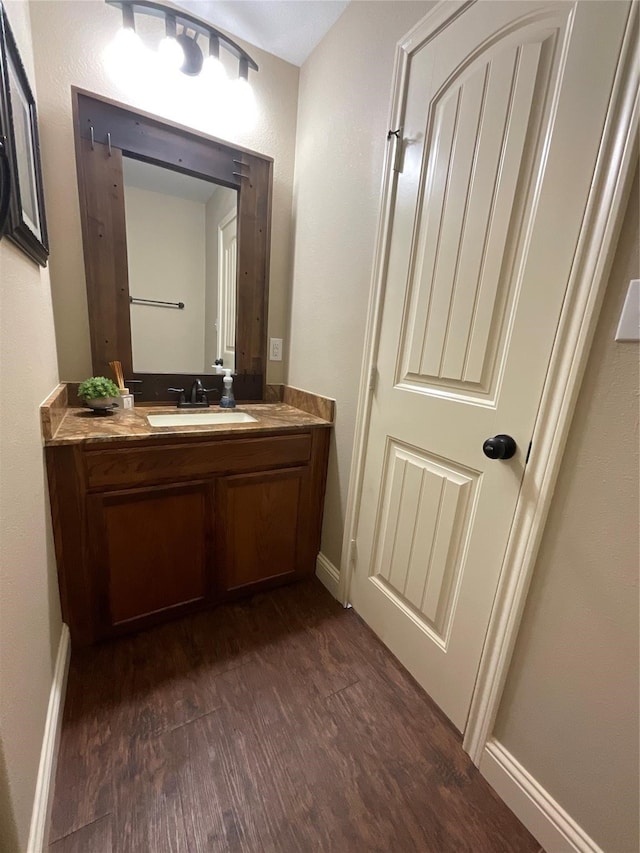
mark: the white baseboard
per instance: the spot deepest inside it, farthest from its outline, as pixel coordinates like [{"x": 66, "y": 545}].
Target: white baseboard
[
  {"x": 41, "y": 814},
  {"x": 545, "y": 819},
  {"x": 328, "y": 575}
]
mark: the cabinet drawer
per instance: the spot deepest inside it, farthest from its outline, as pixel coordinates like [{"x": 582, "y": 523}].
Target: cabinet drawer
[{"x": 122, "y": 467}]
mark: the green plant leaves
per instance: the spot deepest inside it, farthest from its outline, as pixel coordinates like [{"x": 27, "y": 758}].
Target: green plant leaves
[{"x": 97, "y": 386}]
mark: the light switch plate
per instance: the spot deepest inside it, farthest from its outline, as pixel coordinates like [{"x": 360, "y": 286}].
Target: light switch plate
[{"x": 629, "y": 325}]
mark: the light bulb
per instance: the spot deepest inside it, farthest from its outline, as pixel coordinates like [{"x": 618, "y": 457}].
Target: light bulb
[
  {"x": 211, "y": 84},
  {"x": 171, "y": 54},
  {"x": 125, "y": 55},
  {"x": 213, "y": 71},
  {"x": 242, "y": 104}
]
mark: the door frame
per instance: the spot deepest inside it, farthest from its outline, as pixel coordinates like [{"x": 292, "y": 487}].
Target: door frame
[
  {"x": 606, "y": 204},
  {"x": 227, "y": 219}
]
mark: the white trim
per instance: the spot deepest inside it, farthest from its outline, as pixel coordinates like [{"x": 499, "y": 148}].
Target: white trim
[
  {"x": 328, "y": 575},
  {"x": 41, "y": 814},
  {"x": 544, "y": 817},
  {"x": 221, "y": 326},
  {"x": 585, "y": 291}
]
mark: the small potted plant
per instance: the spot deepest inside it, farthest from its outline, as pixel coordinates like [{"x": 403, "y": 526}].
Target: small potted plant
[{"x": 98, "y": 392}]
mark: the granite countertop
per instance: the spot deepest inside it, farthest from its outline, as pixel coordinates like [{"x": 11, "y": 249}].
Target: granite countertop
[{"x": 63, "y": 424}]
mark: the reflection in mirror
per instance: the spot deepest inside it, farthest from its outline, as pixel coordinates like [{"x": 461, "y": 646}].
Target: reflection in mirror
[{"x": 182, "y": 248}]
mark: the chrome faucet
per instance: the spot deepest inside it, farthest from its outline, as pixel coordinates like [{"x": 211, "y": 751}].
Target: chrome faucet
[{"x": 198, "y": 396}]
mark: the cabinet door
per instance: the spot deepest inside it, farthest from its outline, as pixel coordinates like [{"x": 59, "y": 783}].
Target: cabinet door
[
  {"x": 258, "y": 522},
  {"x": 152, "y": 548}
]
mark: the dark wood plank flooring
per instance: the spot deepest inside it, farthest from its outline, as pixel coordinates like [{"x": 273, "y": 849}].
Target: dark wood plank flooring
[{"x": 279, "y": 724}]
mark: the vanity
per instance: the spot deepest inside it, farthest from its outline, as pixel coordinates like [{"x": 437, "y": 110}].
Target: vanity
[
  {"x": 157, "y": 513},
  {"x": 154, "y": 522}
]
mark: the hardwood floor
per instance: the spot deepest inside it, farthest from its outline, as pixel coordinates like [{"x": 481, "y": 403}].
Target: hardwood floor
[{"x": 279, "y": 724}]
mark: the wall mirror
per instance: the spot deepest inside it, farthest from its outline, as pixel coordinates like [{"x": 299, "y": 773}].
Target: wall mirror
[
  {"x": 181, "y": 253},
  {"x": 176, "y": 233}
]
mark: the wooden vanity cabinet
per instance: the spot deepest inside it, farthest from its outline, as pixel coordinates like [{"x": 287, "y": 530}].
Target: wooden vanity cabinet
[{"x": 145, "y": 531}]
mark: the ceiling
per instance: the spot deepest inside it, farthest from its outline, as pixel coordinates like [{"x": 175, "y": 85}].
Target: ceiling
[
  {"x": 289, "y": 29},
  {"x": 158, "y": 179}
]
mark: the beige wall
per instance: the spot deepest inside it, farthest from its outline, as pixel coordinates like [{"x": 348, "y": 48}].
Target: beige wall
[
  {"x": 29, "y": 610},
  {"x": 166, "y": 250},
  {"x": 70, "y": 37},
  {"x": 345, "y": 94},
  {"x": 569, "y": 713}
]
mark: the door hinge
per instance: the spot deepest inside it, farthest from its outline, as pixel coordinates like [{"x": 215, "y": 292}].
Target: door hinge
[
  {"x": 373, "y": 378},
  {"x": 399, "y": 148},
  {"x": 528, "y": 452},
  {"x": 353, "y": 554}
]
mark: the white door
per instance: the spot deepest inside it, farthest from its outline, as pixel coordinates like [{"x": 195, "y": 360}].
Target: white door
[
  {"x": 227, "y": 286},
  {"x": 504, "y": 106}
]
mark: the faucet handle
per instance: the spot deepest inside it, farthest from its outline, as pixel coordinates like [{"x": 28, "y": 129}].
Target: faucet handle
[
  {"x": 207, "y": 391},
  {"x": 178, "y": 391}
]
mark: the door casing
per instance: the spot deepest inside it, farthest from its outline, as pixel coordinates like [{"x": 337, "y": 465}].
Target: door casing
[
  {"x": 606, "y": 204},
  {"x": 225, "y": 295}
]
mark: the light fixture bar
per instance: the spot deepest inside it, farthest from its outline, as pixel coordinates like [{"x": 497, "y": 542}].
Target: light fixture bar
[
  {"x": 170, "y": 26},
  {"x": 184, "y": 19},
  {"x": 128, "y": 21}
]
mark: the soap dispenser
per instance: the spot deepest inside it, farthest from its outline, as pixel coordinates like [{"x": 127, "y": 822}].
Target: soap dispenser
[{"x": 228, "y": 401}]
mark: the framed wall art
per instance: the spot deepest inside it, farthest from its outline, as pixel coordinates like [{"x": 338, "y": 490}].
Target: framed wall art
[{"x": 21, "y": 173}]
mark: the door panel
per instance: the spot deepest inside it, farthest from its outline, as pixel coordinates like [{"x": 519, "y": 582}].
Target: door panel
[
  {"x": 460, "y": 294},
  {"x": 424, "y": 524},
  {"x": 457, "y": 297},
  {"x": 504, "y": 108}
]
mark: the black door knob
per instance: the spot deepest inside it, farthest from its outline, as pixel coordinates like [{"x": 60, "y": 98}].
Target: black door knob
[{"x": 499, "y": 447}]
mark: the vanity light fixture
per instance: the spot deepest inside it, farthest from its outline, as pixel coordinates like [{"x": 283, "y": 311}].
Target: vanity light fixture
[{"x": 179, "y": 49}]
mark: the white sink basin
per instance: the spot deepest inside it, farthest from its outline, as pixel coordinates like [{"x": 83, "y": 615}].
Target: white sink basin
[{"x": 200, "y": 418}]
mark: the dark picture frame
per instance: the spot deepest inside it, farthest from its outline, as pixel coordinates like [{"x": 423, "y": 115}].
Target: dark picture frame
[{"x": 26, "y": 222}]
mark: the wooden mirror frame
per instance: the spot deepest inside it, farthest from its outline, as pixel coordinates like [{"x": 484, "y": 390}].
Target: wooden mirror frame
[{"x": 105, "y": 131}]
